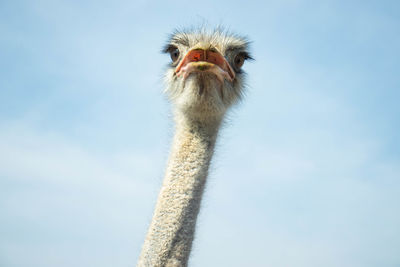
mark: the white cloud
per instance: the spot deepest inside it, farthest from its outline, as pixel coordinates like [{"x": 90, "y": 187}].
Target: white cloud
[
  {"x": 59, "y": 196},
  {"x": 309, "y": 200}
]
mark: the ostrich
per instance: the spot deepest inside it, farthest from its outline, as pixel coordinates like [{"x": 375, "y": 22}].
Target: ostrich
[{"x": 203, "y": 80}]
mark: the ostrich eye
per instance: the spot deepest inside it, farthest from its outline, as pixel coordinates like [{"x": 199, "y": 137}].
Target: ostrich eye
[
  {"x": 174, "y": 53},
  {"x": 239, "y": 60}
]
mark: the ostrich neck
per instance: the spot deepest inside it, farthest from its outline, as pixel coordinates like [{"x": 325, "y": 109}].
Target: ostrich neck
[{"x": 170, "y": 236}]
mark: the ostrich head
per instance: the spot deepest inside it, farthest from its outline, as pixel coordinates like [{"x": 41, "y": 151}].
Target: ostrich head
[{"x": 205, "y": 76}]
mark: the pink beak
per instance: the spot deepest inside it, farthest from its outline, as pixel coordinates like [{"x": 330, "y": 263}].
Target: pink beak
[{"x": 221, "y": 67}]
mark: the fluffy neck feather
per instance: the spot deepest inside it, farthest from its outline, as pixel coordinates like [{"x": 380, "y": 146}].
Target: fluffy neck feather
[{"x": 170, "y": 236}]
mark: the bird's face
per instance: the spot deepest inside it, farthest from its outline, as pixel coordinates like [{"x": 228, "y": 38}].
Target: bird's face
[{"x": 205, "y": 76}]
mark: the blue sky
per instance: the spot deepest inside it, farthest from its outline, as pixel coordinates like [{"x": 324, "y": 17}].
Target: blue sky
[{"x": 307, "y": 169}]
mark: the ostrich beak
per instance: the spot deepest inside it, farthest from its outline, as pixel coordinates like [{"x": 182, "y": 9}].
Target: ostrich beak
[{"x": 198, "y": 60}]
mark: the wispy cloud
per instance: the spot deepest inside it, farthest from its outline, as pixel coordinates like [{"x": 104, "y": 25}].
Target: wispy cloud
[{"x": 56, "y": 194}]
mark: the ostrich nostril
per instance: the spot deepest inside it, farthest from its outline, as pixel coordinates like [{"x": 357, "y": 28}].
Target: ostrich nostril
[{"x": 212, "y": 49}]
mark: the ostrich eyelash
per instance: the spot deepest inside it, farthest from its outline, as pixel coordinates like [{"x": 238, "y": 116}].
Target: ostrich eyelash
[
  {"x": 168, "y": 48},
  {"x": 246, "y": 55}
]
